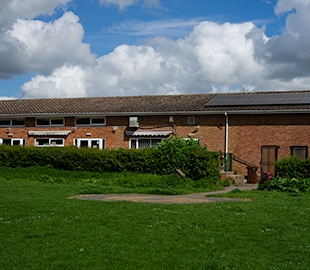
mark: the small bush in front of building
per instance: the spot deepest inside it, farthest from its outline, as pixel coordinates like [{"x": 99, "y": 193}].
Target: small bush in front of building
[
  {"x": 196, "y": 162},
  {"x": 293, "y": 176},
  {"x": 293, "y": 167},
  {"x": 286, "y": 185},
  {"x": 173, "y": 154},
  {"x": 225, "y": 183}
]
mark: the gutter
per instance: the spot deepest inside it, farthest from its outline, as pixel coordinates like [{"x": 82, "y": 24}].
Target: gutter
[{"x": 226, "y": 138}]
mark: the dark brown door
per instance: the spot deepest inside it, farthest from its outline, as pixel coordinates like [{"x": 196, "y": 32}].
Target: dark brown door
[{"x": 269, "y": 156}]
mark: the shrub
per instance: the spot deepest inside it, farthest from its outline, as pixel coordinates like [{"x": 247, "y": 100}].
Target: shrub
[
  {"x": 293, "y": 167},
  {"x": 286, "y": 185},
  {"x": 187, "y": 155},
  {"x": 175, "y": 153},
  {"x": 293, "y": 176},
  {"x": 225, "y": 183}
]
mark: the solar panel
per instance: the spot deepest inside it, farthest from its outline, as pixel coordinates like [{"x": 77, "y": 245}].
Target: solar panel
[{"x": 260, "y": 99}]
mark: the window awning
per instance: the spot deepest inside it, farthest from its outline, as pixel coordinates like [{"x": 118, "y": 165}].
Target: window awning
[
  {"x": 49, "y": 133},
  {"x": 149, "y": 133}
]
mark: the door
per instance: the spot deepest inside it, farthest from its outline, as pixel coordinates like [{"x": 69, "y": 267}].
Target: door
[{"x": 269, "y": 157}]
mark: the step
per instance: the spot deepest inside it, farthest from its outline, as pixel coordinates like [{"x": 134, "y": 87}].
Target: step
[{"x": 238, "y": 178}]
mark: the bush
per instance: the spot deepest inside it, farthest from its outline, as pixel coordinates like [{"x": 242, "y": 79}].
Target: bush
[
  {"x": 286, "y": 185},
  {"x": 225, "y": 183},
  {"x": 293, "y": 176},
  {"x": 187, "y": 155},
  {"x": 293, "y": 167},
  {"x": 175, "y": 153}
]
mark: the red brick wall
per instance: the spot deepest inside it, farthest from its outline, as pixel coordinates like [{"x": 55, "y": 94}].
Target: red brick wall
[
  {"x": 70, "y": 121},
  {"x": 247, "y": 133}
]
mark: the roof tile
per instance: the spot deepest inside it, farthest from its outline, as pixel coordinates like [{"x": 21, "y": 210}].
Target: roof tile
[{"x": 131, "y": 104}]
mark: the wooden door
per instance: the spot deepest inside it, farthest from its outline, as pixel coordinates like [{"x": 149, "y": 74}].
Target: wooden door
[{"x": 269, "y": 157}]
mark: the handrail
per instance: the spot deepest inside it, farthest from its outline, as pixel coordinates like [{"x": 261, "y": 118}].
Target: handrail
[{"x": 244, "y": 162}]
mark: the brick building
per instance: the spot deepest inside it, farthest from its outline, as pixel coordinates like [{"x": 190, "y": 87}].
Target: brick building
[{"x": 255, "y": 127}]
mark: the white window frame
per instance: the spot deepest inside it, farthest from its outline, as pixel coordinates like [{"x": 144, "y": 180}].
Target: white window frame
[
  {"x": 50, "y": 122},
  {"x": 50, "y": 143},
  {"x": 195, "y": 139},
  {"x": 11, "y": 122},
  {"x": 136, "y": 141},
  {"x": 77, "y": 142},
  {"x": 191, "y": 120},
  {"x": 91, "y": 121},
  {"x": 20, "y": 141}
]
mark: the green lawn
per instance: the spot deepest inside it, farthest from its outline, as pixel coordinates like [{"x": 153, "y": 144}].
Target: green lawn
[{"x": 41, "y": 229}]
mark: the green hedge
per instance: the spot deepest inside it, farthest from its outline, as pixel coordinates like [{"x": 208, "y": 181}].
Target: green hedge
[
  {"x": 293, "y": 176},
  {"x": 293, "y": 167},
  {"x": 196, "y": 162}
]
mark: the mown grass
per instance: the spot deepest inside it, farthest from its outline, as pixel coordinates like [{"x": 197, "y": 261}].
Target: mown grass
[
  {"x": 103, "y": 183},
  {"x": 41, "y": 229}
]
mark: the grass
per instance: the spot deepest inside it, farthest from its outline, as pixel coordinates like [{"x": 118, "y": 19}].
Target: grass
[
  {"x": 104, "y": 183},
  {"x": 41, "y": 229}
]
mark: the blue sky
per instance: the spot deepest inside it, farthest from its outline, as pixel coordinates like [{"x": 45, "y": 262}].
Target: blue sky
[{"x": 71, "y": 48}]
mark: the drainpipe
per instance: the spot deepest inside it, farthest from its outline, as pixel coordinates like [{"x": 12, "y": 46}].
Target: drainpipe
[{"x": 226, "y": 139}]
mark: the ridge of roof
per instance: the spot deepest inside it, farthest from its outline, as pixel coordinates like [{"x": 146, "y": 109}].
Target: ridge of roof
[
  {"x": 132, "y": 104},
  {"x": 158, "y": 96}
]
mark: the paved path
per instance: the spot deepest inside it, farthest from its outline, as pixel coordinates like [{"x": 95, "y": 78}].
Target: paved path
[{"x": 167, "y": 199}]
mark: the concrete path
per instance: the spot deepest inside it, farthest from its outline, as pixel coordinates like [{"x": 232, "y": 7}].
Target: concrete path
[{"x": 168, "y": 199}]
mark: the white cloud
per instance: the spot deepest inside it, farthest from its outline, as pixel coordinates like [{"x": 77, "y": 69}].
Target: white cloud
[
  {"x": 212, "y": 58},
  {"x": 40, "y": 47},
  {"x": 211, "y": 55},
  {"x": 171, "y": 28},
  {"x": 11, "y": 10},
  {"x": 6, "y": 98},
  {"x": 152, "y": 3},
  {"x": 67, "y": 81},
  {"x": 289, "y": 5},
  {"x": 122, "y": 4},
  {"x": 133, "y": 70},
  {"x": 287, "y": 56}
]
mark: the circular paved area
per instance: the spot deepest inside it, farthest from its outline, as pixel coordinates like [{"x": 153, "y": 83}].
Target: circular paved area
[{"x": 167, "y": 199}]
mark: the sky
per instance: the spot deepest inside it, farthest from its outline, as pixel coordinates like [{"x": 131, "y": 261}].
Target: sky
[{"x": 94, "y": 48}]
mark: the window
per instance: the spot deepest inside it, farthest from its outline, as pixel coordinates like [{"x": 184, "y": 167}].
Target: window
[
  {"x": 18, "y": 122},
  {"x": 90, "y": 143},
  {"x": 12, "y": 122},
  {"x": 50, "y": 122},
  {"x": 90, "y": 121},
  {"x": 133, "y": 121},
  {"x": 49, "y": 142},
  {"x": 97, "y": 121},
  {"x": 57, "y": 122},
  {"x": 300, "y": 151},
  {"x": 194, "y": 139},
  {"x": 13, "y": 141},
  {"x": 191, "y": 120},
  {"x": 144, "y": 143},
  {"x": 42, "y": 122},
  {"x": 5, "y": 122}
]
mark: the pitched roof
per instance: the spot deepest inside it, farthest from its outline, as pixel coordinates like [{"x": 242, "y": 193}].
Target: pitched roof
[{"x": 133, "y": 104}]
